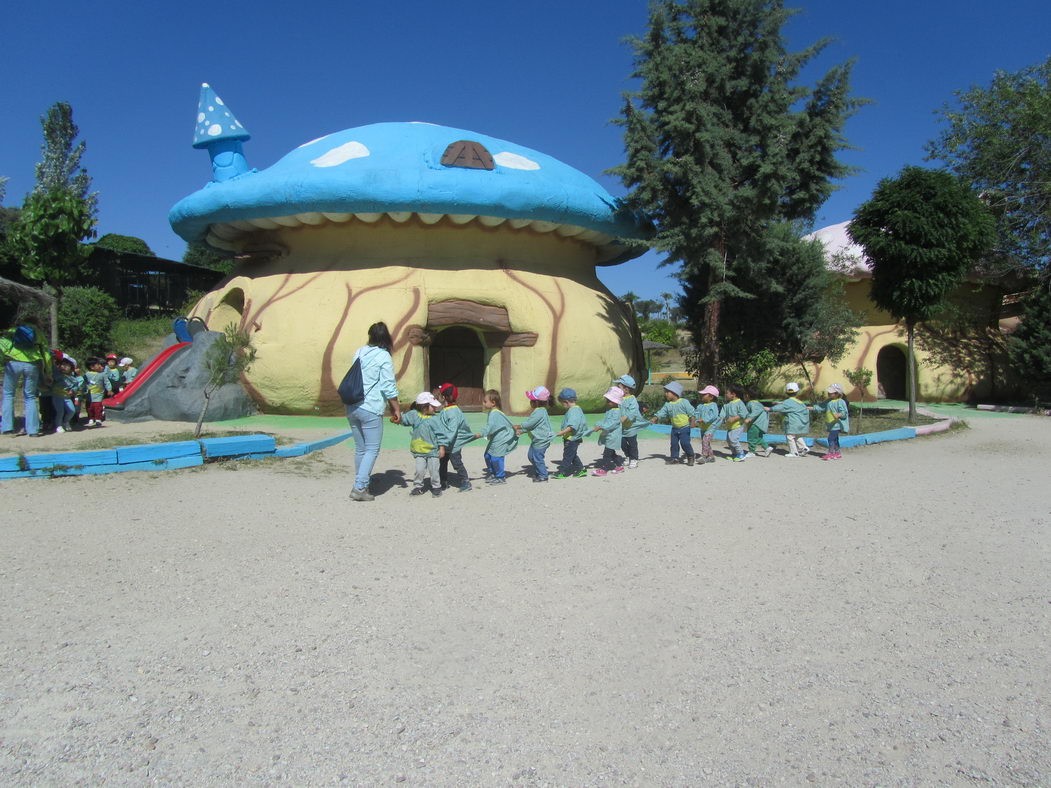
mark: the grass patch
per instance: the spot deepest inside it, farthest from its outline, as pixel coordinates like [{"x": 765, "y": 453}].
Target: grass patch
[{"x": 142, "y": 339}]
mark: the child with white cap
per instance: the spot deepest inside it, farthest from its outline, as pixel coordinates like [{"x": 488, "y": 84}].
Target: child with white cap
[
  {"x": 572, "y": 430},
  {"x": 610, "y": 435},
  {"x": 797, "y": 421},
  {"x": 127, "y": 370},
  {"x": 632, "y": 422},
  {"x": 424, "y": 444},
  {"x": 538, "y": 425},
  {"x": 837, "y": 417},
  {"x": 680, "y": 413}
]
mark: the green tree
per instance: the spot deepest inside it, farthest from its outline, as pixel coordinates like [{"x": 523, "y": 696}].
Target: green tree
[
  {"x": 646, "y": 308},
  {"x": 922, "y": 231},
  {"x": 125, "y": 243},
  {"x": 47, "y": 237},
  {"x": 85, "y": 318},
  {"x": 998, "y": 139},
  {"x": 226, "y": 359},
  {"x": 206, "y": 257},
  {"x": 723, "y": 142},
  {"x": 1029, "y": 347},
  {"x": 660, "y": 330},
  {"x": 860, "y": 379},
  {"x": 59, "y": 167}
]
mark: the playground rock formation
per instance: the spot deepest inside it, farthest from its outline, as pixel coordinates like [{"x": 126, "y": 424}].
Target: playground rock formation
[{"x": 175, "y": 392}]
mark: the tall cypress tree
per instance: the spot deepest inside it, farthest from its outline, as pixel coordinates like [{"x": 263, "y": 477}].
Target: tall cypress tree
[
  {"x": 722, "y": 145},
  {"x": 59, "y": 167}
]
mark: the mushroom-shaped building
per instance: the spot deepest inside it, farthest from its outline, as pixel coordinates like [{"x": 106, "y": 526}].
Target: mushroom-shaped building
[{"x": 479, "y": 254}]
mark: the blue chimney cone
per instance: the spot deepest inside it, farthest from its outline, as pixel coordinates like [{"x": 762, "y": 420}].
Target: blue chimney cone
[{"x": 221, "y": 133}]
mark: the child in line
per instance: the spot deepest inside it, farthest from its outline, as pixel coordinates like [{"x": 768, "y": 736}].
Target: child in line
[
  {"x": 453, "y": 434},
  {"x": 572, "y": 430},
  {"x": 707, "y": 421},
  {"x": 757, "y": 423},
  {"x": 797, "y": 421},
  {"x": 502, "y": 438},
  {"x": 632, "y": 422},
  {"x": 98, "y": 386},
  {"x": 680, "y": 413},
  {"x": 127, "y": 371},
  {"x": 64, "y": 389},
  {"x": 732, "y": 417},
  {"x": 424, "y": 442},
  {"x": 538, "y": 425},
  {"x": 837, "y": 417},
  {"x": 113, "y": 373},
  {"x": 610, "y": 435}
]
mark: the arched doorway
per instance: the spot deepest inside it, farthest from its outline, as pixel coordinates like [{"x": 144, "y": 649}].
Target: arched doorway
[
  {"x": 457, "y": 356},
  {"x": 891, "y": 372}
]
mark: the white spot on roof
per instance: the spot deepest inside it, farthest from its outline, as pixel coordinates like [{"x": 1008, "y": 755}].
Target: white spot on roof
[
  {"x": 218, "y": 100},
  {"x": 340, "y": 154},
  {"x": 215, "y": 130},
  {"x": 211, "y": 109},
  {"x": 200, "y": 117},
  {"x": 316, "y": 139},
  {"x": 515, "y": 162},
  {"x": 233, "y": 128}
]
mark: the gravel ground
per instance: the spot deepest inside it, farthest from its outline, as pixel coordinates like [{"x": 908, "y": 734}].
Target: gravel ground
[{"x": 882, "y": 620}]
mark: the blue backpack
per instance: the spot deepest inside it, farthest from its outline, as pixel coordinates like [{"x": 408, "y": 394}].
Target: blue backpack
[
  {"x": 352, "y": 388},
  {"x": 24, "y": 338}
]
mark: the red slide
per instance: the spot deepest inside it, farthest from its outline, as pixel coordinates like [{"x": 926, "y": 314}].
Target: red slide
[{"x": 117, "y": 401}]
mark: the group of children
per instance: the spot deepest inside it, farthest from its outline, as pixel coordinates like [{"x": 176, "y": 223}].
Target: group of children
[
  {"x": 440, "y": 430},
  {"x": 72, "y": 387}
]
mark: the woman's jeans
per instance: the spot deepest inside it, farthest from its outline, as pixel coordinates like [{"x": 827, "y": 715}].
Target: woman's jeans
[
  {"x": 536, "y": 456},
  {"x": 13, "y": 370},
  {"x": 368, "y": 433}
]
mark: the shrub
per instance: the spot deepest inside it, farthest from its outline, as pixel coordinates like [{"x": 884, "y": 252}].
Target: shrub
[{"x": 85, "y": 318}]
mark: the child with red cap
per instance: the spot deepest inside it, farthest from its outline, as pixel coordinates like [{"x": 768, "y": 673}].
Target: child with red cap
[
  {"x": 453, "y": 433},
  {"x": 538, "y": 425}
]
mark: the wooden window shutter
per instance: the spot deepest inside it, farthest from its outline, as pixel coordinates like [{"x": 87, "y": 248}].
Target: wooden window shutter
[{"x": 469, "y": 154}]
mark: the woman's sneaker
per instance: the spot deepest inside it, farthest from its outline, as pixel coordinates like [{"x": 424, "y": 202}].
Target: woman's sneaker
[
  {"x": 633, "y": 463},
  {"x": 361, "y": 495}
]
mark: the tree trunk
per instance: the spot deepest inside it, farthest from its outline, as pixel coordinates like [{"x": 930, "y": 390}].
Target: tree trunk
[
  {"x": 809, "y": 382},
  {"x": 911, "y": 371},
  {"x": 204, "y": 411},
  {"x": 52, "y": 312},
  {"x": 709, "y": 366}
]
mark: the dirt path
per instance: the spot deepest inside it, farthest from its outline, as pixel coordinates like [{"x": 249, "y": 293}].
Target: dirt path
[{"x": 883, "y": 620}]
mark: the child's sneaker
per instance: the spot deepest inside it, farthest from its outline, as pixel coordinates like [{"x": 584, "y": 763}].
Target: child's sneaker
[
  {"x": 690, "y": 460},
  {"x": 671, "y": 461},
  {"x": 436, "y": 493},
  {"x": 60, "y": 429},
  {"x": 600, "y": 472},
  {"x": 618, "y": 469},
  {"x": 768, "y": 451},
  {"x": 466, "y": 487},
  {"x": 709, "y": 459},
  {"x": 738, "y": 458},
  {"x": 417, "y": 491},
  {"x": 538, "y": 479},
  {"x": 633, "y": 463},
  {"x": 748, "y": 455},
  {"x": 581, "y": 473},
  {"x": 494, "y": 480}
]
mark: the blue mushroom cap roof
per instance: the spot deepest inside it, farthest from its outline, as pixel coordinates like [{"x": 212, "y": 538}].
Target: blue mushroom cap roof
[{"x": 396, "y": 167}]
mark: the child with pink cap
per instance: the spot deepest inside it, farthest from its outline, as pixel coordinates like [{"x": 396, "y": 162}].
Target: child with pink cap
[
  {"x": 707, "y": 421},
  {"x": 610, "y": 435},
  {"x": 538, "y": 425}
]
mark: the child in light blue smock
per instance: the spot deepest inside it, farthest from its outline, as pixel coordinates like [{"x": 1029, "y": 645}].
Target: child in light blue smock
[
  {"x": 837, "y": 417},
  {"x": 707, "y": 420},
  {"x": 610, "y": 435},
  {"x": 424, "y": 444},
  {"x": 732, "y": 417},
  {"x": 538, "y": 425},
  {"x": 680, "y": 413},
  {"x": 572, "y": 430},
  {"x": 797, "y": 421},
  {"x": 502, "y": 438}
]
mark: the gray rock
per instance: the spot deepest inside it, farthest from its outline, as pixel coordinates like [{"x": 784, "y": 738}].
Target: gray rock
[{"x": 176, "y": 392}]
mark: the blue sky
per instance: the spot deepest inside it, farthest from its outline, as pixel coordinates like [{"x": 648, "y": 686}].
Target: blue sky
[{"x": 547, "y": 75}]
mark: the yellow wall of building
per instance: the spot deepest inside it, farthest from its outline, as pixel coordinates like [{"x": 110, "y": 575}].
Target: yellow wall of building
[{"x": 309, "y": 310}]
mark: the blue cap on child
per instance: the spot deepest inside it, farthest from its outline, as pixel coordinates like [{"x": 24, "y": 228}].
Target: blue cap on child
[{"x": 567, "y": 394}]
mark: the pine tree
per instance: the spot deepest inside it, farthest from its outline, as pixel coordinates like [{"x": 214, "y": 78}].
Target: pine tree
[
  {"x": 59, "y": 166},
  {"x": 1029, "y": 347},
  {"x": 722, "y": 145}
]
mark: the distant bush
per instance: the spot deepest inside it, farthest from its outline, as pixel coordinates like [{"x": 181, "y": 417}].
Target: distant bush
[
  {"x": 125, "y": 243},
  {"x": 85, "y": 318},
  {"x": 663, "y": 331}
]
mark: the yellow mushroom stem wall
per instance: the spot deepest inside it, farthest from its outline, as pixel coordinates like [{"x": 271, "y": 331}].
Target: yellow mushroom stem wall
[
  {"x": 309, "y": 310},
  {"x": 958, "y": 358}
]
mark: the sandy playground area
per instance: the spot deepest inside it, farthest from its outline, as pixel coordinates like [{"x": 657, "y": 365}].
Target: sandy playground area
[{"x": 883, "y": 620}]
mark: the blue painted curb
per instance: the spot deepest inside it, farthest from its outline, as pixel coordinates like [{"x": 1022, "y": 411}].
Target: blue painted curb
[
  {"x": 156, "y": 456},
  {"x": 845, "y": 441}
]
